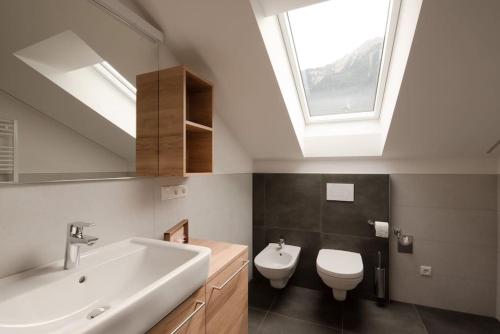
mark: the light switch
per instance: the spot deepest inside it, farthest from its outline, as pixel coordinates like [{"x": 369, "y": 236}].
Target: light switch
[
  {"x": 172, "y": 192},
  {"x": 343, "y": 192}
]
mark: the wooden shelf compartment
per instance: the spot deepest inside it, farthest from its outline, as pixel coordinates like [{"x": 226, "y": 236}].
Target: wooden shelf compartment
[
  {"x": 198, "y": 125},
  {"x": 198, "y": 100},
  {"x": 198, "y": 151}
]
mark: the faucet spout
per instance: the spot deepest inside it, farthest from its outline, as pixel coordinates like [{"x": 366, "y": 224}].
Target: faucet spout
[
  {"x": 281, "y": 243},
  {"x": 84, "y": 240},
  {"x": 91, "y": 240}
]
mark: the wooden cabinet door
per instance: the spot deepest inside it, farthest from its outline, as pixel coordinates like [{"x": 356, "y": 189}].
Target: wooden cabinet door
[
  {"x": 187, "y": 318},
  {"x": 227, "y": 299}
]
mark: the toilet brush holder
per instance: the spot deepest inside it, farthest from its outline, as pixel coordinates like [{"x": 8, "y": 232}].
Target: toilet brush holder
[
  {"x": 380, "y": 280},
  {"x": 380, "y": 283}
]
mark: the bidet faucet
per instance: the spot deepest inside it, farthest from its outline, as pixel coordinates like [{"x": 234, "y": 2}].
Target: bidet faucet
[
  {"x": 74, "y": 239},
  {"x": 281, "y": 243}
]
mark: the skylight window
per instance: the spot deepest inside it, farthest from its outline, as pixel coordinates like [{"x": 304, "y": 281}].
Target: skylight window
[
  {"x": 339, "y": 51},
  {"x": 69, "y": 62}
]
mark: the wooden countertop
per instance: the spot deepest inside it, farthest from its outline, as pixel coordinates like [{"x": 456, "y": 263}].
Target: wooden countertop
[{"x": 223, "y": 254}]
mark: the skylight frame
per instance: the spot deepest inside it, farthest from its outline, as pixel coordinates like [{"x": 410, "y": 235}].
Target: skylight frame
[
  {"x": 118, "y": 80},
  {"x": 391, "y": 26}
]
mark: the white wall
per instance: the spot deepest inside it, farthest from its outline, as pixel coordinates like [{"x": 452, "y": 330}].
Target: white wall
[
  {"x": 229, "y": 156},
  {"x": 219, "y": 207},
  {"x": 379, "y": 166},
  {"x": 33, "y": 218}
]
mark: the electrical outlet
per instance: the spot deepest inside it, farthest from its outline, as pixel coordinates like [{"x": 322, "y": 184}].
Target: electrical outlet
[
  {"x": 425, "y": 271},
  {"x": 173, "y": 192}
]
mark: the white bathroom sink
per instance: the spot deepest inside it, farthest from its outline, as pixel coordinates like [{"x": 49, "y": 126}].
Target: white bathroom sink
[{"x": 136, "y": 282}]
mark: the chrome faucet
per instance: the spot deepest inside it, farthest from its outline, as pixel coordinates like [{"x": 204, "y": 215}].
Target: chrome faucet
[
  {"x": 74, "y": 239},
  {"x": 281, "y": 243}
]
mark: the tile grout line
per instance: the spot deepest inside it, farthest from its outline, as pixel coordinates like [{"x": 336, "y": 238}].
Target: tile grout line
[
  {"x": 461, "y": 278},
  {"x": 441, "y": 208},
  {"x": 299, "y": 319},
  {"x": 306, "y": 321},
  {"x": 321, "y": 204},
  {"x": 261, "y": 322},
  {"x": 267, "y": 313},
  {"x": 420, "y": 317},
  {"x": 342, "y": 318}
]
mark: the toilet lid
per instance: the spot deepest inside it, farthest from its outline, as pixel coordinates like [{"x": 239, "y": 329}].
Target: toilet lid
[{"x": 338, "y": 263}]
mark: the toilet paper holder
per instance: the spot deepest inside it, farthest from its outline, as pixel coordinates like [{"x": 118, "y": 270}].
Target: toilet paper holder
[
  {"x": 405, "y": 241},
  {"x": 382, "y": 229}
]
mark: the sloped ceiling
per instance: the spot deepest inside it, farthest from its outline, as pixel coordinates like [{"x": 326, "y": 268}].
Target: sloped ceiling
[
  {"x": 221, "y": 40},
  {"x": 449, "y": 104}
]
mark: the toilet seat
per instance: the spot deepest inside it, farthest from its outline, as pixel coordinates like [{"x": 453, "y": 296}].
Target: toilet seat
[{"x": 339, "y": 264}]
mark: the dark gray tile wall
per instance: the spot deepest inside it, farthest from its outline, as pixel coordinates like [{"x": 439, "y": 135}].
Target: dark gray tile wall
[{"x": 295, "y": 206}]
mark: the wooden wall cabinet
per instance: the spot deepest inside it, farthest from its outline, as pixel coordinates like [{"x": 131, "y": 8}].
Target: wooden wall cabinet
[{"x": 174, "y": 123}]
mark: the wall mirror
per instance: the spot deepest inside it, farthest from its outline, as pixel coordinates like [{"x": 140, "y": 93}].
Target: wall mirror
[{"x": 67, "y": 91}]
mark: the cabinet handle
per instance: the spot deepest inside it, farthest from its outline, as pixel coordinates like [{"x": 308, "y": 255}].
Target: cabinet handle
[
  {"x": 220, "y": 287},
  {"x": 198, "y": 308}
]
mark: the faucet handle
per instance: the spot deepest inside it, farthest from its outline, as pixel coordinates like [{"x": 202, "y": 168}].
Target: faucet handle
[
  {"x": 76, "y": 228},
  {"x": 84, "y": 224}
]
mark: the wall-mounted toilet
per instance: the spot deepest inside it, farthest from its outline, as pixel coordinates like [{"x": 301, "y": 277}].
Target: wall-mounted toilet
[
  {"x": 277, "y": 263},
  {"x": 340, "y": 270}
]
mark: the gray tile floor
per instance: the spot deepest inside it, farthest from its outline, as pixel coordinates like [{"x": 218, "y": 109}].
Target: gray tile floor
[{"x": 295, "y": 310}]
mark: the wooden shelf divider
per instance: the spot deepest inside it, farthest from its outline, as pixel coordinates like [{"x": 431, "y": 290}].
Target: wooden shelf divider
[{"x": 195, "y": 127}]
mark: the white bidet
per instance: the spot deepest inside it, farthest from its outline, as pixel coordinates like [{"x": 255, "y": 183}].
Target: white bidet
[{"x": 277, "y": 264}]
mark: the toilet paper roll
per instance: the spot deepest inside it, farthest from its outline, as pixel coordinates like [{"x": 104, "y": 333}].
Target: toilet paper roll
[{"x": 382, "y": 229}]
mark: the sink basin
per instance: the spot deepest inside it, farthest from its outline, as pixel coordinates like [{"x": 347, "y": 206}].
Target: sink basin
[{"x": 125, "y": 287}]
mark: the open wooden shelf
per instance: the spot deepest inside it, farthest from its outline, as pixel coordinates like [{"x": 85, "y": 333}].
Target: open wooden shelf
[
  {"x": 198, "y": 152},
  {"x": 198, "y": 100},
  {"x": 176, "y": 137}
]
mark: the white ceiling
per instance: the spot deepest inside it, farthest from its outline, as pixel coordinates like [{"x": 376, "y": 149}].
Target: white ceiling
[{"x": 449, "y": 104}]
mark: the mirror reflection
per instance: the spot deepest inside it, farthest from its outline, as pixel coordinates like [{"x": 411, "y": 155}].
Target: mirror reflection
[{"x": 68, "y": 91}]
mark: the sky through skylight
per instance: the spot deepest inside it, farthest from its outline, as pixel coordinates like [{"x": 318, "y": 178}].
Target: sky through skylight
[{"x": 339, "y": 46}]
